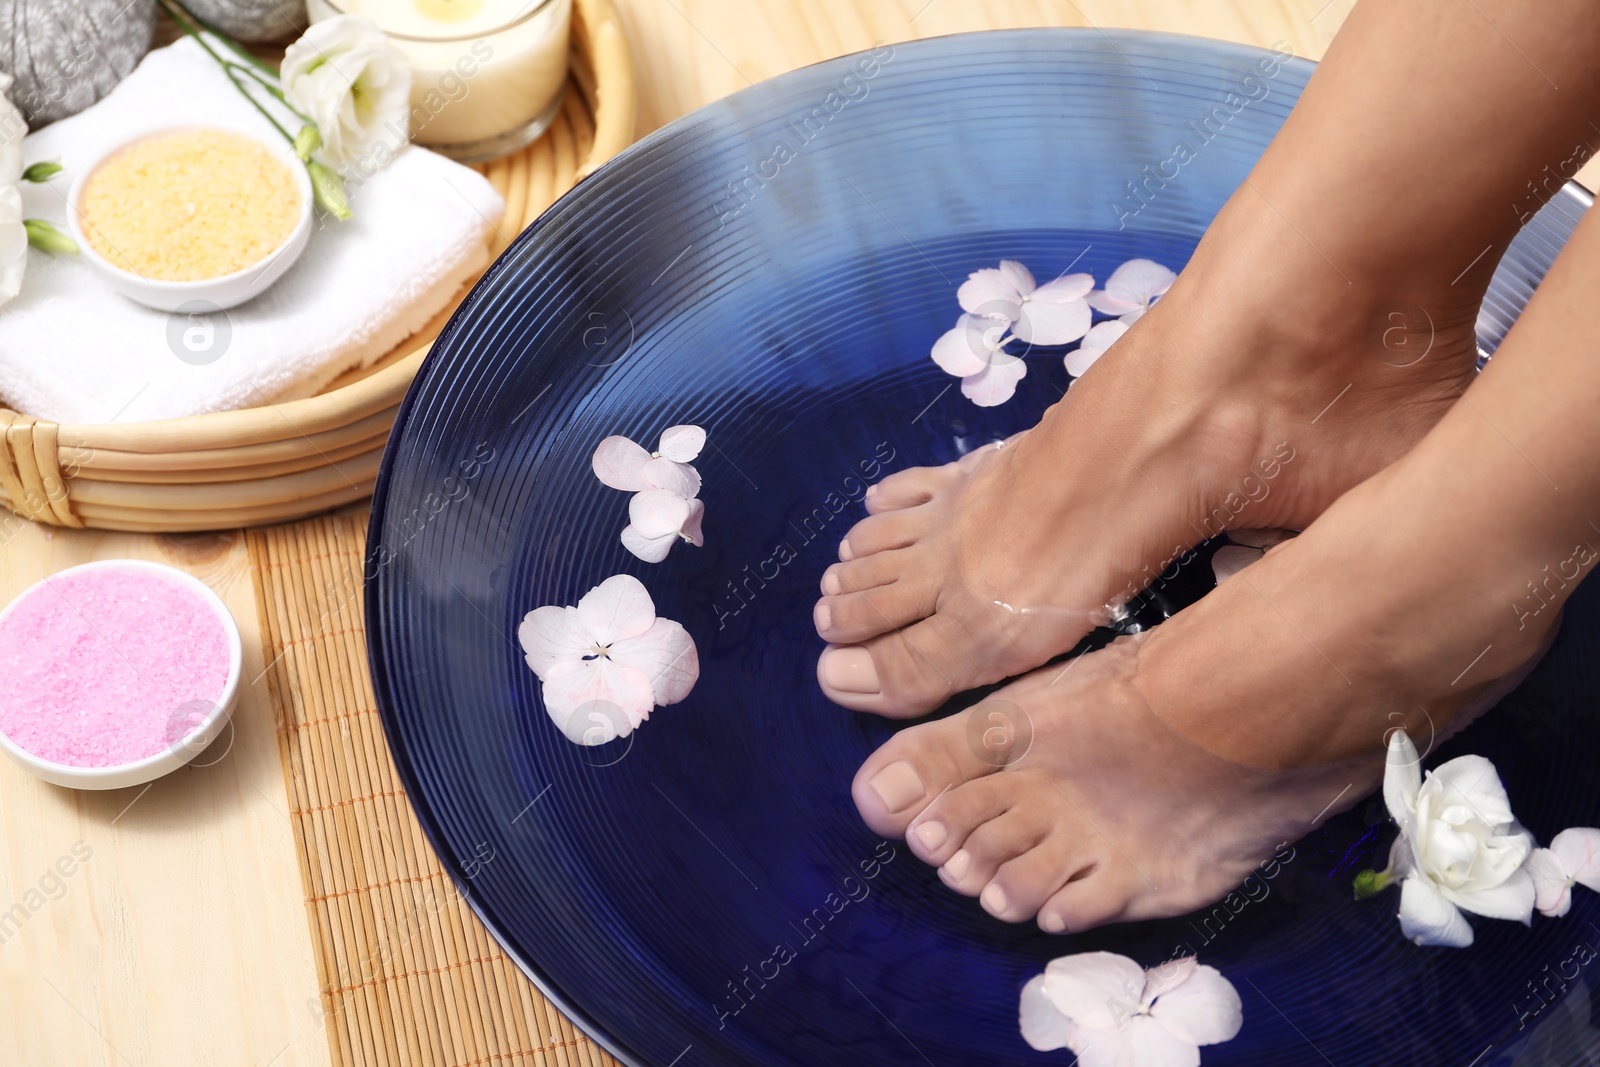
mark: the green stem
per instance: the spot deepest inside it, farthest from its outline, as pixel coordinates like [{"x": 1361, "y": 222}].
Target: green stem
[
  {"x": 182, "y": 18},
  {"x": 229, "y": 69},
  {"x": 1370, "y": 883},
  {"x": 277, "y": 93}
]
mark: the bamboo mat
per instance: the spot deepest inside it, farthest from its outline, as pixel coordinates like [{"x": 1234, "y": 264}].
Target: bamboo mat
[{"x": 408, "y": 975}]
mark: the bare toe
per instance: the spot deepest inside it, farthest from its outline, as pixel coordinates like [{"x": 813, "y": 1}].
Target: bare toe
[
  {"x": 992, "y": 845},
  {"x": 1022, "y": 885},
  {"x": 908, "y": 488},
  {"x": 900, "y": 780},
  {"x": 880, "y": 533}
]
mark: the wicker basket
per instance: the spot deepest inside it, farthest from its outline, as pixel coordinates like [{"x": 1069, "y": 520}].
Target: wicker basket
[{"x": 286, "y": 461}]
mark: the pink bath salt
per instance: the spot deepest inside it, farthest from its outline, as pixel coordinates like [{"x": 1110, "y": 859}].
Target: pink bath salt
[{"x": 106, "y": 666}]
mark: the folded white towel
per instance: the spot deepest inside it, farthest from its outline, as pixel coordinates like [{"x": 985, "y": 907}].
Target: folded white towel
[{"x": 73, "y": 351}]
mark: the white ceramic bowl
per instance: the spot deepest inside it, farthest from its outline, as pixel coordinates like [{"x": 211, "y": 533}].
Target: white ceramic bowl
[
  {"x": 122, "y": 775},
  {"x": 225, "y": 291}
]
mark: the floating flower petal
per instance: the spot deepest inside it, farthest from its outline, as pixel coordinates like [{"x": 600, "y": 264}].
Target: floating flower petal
[
  {"x": 1573, "y": 858},
  {"x": 1112, "y": 1013},
  {"x": 1132, "y": 288},
  {"x": 608, "y": 651},
  {"x": 1099, "y": 338}
]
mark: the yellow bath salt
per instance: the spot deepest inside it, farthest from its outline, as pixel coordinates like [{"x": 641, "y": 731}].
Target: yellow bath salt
[{"x": 191, "y": 204}]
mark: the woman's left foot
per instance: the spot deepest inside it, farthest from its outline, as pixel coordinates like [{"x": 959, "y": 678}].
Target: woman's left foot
[{"x": 1149, "y": 778}]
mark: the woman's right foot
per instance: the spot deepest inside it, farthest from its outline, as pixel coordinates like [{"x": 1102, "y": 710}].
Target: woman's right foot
[{"x": 1259, "y": 389}]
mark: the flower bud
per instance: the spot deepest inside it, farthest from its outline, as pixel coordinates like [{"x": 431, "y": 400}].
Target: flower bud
[
  {"x": 45, "y": 237},
  {"x": 41, "y": 172},
  {"x": 307, "y": 141},
  {"x": 329, "y": 190}
]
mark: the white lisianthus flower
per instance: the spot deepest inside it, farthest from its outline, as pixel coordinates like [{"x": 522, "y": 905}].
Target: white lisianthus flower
[
  {"x": 13, "y": 234},
  {"x": 347, "y": 78},
  {"x": 1460, "y": 848}
]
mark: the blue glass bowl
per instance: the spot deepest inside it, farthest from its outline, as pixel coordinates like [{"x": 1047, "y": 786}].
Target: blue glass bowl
[{"x": 775, "y": 267}]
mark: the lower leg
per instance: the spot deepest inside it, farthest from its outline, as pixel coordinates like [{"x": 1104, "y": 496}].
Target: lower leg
[{"x": 1272, "y": 343}]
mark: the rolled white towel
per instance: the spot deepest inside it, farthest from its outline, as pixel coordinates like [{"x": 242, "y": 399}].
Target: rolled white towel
[{"x": 74, "y": 352}]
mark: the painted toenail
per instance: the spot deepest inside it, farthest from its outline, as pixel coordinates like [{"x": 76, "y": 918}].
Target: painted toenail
[
  {"x": 823, "y": 617},
  {"x": 898, "y": 786},
  {"x": 932, "y": 834},
  {"x": 850, "y": 670},
  {"x": 831, "y": 585},
  {"x": 1052, "y": 923},
  {"x": 956, "y": 866},
  {"x": 993, "y": 900},
  {"x": 845, "y": 555}
]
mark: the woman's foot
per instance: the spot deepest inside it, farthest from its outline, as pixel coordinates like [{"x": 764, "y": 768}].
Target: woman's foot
[
  {"x": 1149, "y": 778},
  {"x": 1259, "y": 389}
]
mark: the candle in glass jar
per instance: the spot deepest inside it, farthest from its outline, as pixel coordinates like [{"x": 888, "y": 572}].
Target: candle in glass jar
[{"x": 486, "y": 75}]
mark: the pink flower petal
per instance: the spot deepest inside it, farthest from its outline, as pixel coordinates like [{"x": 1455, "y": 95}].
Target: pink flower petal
[
  {"x": 1096, "y": 990},
  {"x": 1202, "y": 1009},
  {"x": 1165, "y": 976},
  {"x": 650, "y": 549},
  {"x": 1108, "y": 304},
  {"x": 1231, "y": 559},
  {"x": 691, "y": 525},
  {"x": 619, "y": 463},
  {"x": 1552, "y": 891},
  {"x": 1053, "y": 324},
  {"x": 1262, "y": 539},
  {"x": 1017, "y": 276},
  {"x": 552, "y": 635},
  {"x": 1578, "y": 849},
  {"x": 681, "y": 443},
  {"x": 1044, "y": 1028},
  {"x": 675, "y": 477},
  {"x": 657, "y": 512},
  {"x": 1064, "y": 290},
  {"x": 995, "y": 384},
  {"x": 597, "y": 722},
  {"x": 1139, "y": 1042},
  {"x": 577, "y": 682},
  {"x": 987, "y": 292},
  {"x": 1139, "y": 281},
  {"x": 1099, "y": 338},
  {"x": 665, "y": 654},
  {"x": 961, "y": 351},
  {"x": 616, "y": 609}
]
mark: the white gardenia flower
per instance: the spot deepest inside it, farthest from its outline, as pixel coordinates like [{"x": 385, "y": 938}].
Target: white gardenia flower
[
  {"x": 1093, "y": 346},
  {"x": 1113, "y": 1013},
  {"x": 1054, "y": 313},
  {"x": 974, "y": 351},
  {"x": 1573, "y": 858},
  {"x": 609, "y": 652},
  {"x": 13, "y": 235},
  {"x": 1131, "y": 289},
  {"x": 348, "y": 79},
  {"x": 622, "y": 464},
  {"x": 659, "y": 519},
  {"x": 1460, "y": 848}
]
